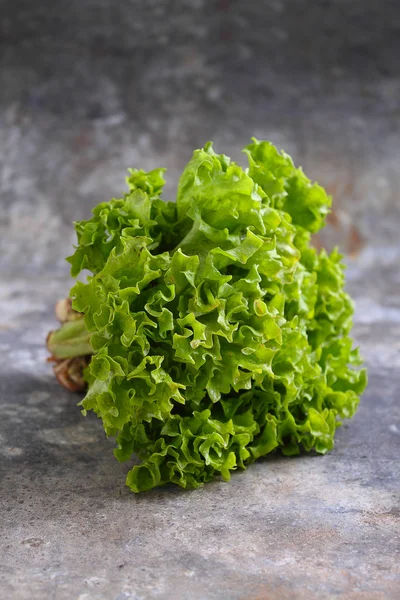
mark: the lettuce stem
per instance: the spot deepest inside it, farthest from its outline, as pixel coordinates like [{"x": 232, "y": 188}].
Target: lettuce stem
[{"x": 71, "y": 340}]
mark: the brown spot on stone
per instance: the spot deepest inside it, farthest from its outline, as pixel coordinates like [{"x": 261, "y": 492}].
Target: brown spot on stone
[
  {"x": 32, "y": 542},
  {"x": 81, "y": 141},
  {"x": 333, "y": 219},
  {"x": 355, "y": 241},
  {"x": 390, "y": 517}
]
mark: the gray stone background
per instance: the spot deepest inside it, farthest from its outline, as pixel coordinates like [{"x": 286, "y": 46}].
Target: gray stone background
[{"x": 89, "y": 88}]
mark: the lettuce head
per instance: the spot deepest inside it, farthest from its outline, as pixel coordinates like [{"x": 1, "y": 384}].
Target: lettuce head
[{"x": 218, "y": 334}]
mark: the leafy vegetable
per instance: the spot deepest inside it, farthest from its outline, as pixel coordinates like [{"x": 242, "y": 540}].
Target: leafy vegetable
[{"x": 218, "y": 332}]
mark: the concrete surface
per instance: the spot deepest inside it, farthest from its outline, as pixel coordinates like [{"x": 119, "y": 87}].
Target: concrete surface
[
  {"x": 89, "y": 88},
  {"x": 307, "y": 528}
]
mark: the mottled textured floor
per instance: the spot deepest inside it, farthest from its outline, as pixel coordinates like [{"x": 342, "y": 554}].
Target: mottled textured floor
[{"x": 304, "y": 528}]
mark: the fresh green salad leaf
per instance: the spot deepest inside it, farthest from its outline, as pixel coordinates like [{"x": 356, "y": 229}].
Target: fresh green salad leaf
[{"x": 218, "y": 333}]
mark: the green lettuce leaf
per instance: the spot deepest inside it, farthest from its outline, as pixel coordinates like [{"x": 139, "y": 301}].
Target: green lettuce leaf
[{"x": 218, "y": 333}]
